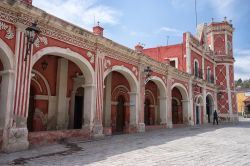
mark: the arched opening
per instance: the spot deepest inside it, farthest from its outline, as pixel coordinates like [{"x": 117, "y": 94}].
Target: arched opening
[
  {"x": 117, "y": 83},
  {"x": 209, "y": 107},
  {"x": 151, "y": 102},
  {"x": 60, "y": 101},
  {"x": 120, "y": 111},
  {"x": 198, "y": 110},
  {"x": 177, "y": 111},
  {"x": 179, "y": 104},
  {"x": 147, "y": 114},
  {"x": 155, "y": 93},
  {"x": 79, "y": 108}
]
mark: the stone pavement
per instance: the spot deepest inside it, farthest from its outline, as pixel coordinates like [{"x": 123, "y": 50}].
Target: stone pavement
[{"x": 225, "y": 144}]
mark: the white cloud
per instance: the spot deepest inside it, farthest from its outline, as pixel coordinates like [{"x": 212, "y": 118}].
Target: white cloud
[
  {"x": 80, "y": 12},
  {"x": 171, "y": 31},
  {"x": 242, "y": 63}
]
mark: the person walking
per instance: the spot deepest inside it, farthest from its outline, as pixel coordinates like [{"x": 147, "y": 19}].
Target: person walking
[{"x": 215, "y": 117}]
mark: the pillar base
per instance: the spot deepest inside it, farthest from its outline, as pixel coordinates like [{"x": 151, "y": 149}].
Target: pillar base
[
  {"x": 170, "y": 125},
  {"x": 141, "y": 127},
  {"x": 97, "y": 131},
  {"x": 15, "y": 139}
]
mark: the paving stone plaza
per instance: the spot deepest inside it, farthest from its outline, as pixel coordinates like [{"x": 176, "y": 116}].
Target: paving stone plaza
[{"x": 225, "y": 144}]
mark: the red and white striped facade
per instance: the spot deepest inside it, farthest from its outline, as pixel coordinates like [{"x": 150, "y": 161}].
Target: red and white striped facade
[{"x": 93, "y": 86}]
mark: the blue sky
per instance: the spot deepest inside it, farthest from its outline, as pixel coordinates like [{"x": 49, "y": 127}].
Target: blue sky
[{"x": 156, "y": 22}]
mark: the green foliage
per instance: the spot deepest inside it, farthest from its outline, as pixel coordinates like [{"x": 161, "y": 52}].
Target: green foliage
[{"x": 242, "y": 84}]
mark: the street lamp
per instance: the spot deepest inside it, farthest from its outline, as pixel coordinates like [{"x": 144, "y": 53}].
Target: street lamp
[
  {"x": 31, "y": 33},
  {"x": 148, "y": 71}
]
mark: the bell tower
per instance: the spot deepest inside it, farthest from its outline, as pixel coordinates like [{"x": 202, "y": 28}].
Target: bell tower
[{"x": 220, "y": 37}]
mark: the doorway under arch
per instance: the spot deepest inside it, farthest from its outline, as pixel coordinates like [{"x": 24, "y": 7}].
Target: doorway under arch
[
  {"x": 181, "y": 104},
  {"x": 209, "y": 107},
  {"x": 32, "y": 107},
  {"x": 198, "y": 110},
  {"x": 147, "y": 114},
  {"x": 79, "y": 108},
  {"x": 120, "y": 111}
]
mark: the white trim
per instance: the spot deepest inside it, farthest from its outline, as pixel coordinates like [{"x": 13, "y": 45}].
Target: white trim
[
  {"x": 182, "y": 87},
  {"x": 7, "y": 57},
  {"x": 68, "y": 54},
  {"x": 44, "y": 80},
  {"x": 38, "y": 84},
  {"x": 175, "y": 59},
  {"x": 127, "y": 74}
]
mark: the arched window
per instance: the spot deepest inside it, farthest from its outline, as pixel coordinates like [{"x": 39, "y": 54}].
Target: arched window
[{"x": 196, "y": 68}]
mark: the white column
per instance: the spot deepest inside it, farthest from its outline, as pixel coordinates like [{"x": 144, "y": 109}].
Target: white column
[
  {"x": 107, "y": 102},
  {"x": 62, "y": 78},
  {"x": 169, "y": 102},
  {"x": 185, "y": 107},
  {"x": 133, "y": 108},
  {"x": 188, "y": 54},
  {"x": 163, "y": 110},
  {"x": 226, "y": 46},
  {"x": 204, "y": 71},
  {"x": 190, "y": 105},
  {"x": 89, "y": 105},
  {"x": 6, "y": 97},
  {"x": 229, "y": 93},
  {"x": 205, "y": 116}
]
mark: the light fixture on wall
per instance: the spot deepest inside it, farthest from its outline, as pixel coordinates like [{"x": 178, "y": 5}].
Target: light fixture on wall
[
  {"x": 219, "y": 94},
  {"x": 31, "y": 33},
  {"x": 44, "y": 65},
  {"x": 148, "y": 71}
]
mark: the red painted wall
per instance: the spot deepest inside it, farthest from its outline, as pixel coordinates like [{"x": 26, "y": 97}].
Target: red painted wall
[{"x": 165, "y": 52}]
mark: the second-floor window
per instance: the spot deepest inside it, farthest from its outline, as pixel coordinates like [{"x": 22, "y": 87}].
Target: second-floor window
[
  {"x": 196, "y": 68},
  {"x": 208, "y": 74}
]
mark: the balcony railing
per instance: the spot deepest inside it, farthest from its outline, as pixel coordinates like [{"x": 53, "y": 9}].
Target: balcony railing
[{"x": 198, "y": 74}]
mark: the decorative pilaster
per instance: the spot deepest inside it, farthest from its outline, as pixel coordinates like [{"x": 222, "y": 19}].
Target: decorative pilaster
[
  {"x": 141, "y": 125},
  {"x": 15, "y": 135},
  {"x": 99, "y": 65},
  {"x": 169, "y": 102},
  {"x": 191, "y": 105}
]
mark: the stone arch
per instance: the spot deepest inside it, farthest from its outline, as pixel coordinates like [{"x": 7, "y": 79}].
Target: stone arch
[
  {"x": 182, "y": 89},
  {"x": 127, "y": 74},
  {"x": 184, "y": 101},
  {"x": 75, "y": 57},
  {"x": 44, "y": 80}
]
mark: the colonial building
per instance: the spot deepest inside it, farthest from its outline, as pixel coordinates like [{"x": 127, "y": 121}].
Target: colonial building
[{"x": 71, "y": 82}]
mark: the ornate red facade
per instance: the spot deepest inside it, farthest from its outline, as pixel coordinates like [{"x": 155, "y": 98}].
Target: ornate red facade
[{"x": 80, "y": 84}]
